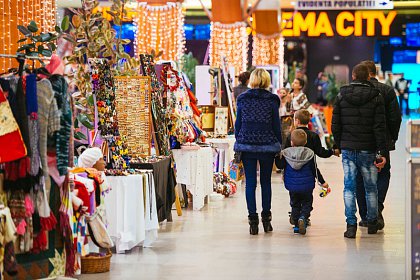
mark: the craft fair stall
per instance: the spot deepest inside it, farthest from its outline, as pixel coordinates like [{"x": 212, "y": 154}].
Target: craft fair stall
[
  {"x": 224, "y": 153},
  {"x": 194, "y": 169},
  {"x": 132, "y": 212}
]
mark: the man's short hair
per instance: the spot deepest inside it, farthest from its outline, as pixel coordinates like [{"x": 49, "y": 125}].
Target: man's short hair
[
  {"x": 303, "y": 116},
  {"x": 371, "y": 66},
  {"x": 298, "y": 138},
  {"x": 360, "y": 72}
]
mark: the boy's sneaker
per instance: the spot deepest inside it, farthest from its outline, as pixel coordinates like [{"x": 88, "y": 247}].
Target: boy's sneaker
[
  {"x": 302, "y": 225},
  {"x": 296, "y": 229},
  {"x": 292, "y": 221}
]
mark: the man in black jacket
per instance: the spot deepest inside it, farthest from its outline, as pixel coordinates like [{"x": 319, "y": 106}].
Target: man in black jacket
[
  {"x": 393, "y": 123},
  {"x": 358, "y": 126}
]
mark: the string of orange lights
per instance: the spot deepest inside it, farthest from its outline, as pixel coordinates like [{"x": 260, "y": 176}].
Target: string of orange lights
[
  {"x": 160, "y": 28},
  {"x": 231, "y": 41},
  {"x": 21, "y": 12}
]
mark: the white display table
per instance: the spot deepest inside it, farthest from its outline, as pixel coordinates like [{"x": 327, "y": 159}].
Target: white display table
[
  {"x": 225, "y": 144},
  {"x": 194, "y": 168},
  {"x": 131, "y": 211}
]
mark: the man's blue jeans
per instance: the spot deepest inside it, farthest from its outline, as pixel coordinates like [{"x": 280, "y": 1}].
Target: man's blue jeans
[
  {"x": 382, "y": 184},
  {"x": 355, "y": 162},
  {"x": 266, "y": 168}
]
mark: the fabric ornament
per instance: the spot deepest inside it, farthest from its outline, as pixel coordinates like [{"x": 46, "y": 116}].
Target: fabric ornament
[
  {"x": 56, "y": 65},
  {"x": 10, "y": 135},
  {"x": 89, "y": 157}
]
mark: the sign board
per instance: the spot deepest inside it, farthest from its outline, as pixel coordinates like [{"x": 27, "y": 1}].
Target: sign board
[
  {"x": 346, "y": 23},
  {"x": 413, "y": 220},
  {"x": 344, "y": 5},
  {"x": 413, "y": 136}
]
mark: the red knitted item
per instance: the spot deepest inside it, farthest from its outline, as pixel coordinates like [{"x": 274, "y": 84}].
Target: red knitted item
[
  {"x": 82, "y": 193},
  {"x": 9, "y": 137},
  {"x": 40, "y": 242},
  {"x": 49, "y": 223}
]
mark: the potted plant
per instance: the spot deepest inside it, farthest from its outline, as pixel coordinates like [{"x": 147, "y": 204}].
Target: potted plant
[{"x": 332, "y": 91}]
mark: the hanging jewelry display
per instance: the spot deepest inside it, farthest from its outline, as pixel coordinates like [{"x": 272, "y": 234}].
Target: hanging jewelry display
[
  {"x": 158, "y": 102},
  {"x": 104, "y": 92},
  {"x": 132, "y": 96}
]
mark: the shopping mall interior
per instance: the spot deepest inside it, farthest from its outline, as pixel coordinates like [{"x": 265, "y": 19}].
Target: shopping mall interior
[{"x": 133, "y": 133}]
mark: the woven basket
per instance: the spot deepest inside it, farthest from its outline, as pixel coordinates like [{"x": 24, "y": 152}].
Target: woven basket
[{"x": 95, "y": 264}]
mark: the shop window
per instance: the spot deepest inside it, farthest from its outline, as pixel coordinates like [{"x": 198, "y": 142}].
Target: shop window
[{"x": 341, "y": 71}]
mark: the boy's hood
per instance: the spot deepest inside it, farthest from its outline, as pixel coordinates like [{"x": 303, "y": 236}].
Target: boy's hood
[{"x": 297, "y": 157}]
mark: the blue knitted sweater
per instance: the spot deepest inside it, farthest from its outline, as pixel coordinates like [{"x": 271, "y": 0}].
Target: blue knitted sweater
[{"x": 257, "y": 127}]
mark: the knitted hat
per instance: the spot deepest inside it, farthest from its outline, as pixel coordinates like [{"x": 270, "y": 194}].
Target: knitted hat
[{"x": 89, "y": 157}]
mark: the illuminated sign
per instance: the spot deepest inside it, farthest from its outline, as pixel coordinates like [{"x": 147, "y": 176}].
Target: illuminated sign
[
  {"x": 344, "y": 5},
  {"x": 358, "y": 23}
]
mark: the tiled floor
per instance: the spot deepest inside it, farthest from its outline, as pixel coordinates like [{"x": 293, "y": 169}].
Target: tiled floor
[{"x": 215, "y": 244}]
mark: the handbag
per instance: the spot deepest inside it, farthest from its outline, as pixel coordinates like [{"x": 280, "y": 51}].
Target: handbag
[{"x": 98, "y": 232}]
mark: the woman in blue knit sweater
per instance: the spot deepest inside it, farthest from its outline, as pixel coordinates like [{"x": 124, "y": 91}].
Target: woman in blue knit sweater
[{"x": 258, "y": 139}]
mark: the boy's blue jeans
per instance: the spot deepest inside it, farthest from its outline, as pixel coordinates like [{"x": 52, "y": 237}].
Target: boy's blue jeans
[
  {"x": 355, "y": 162},
  {"x": 266, "y": 168}
]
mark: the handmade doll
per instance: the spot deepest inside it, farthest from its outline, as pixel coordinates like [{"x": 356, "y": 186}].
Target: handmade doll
[{"x": 87, "y": 196}]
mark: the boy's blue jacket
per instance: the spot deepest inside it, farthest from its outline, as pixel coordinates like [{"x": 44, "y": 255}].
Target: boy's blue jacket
[{"x": 299, "y": 169}]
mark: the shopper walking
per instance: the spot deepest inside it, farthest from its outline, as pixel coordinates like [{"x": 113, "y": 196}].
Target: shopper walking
[
  {"x": 358, "y": 126},
  {"x": 258, "y": 139},
  {"x": 402, "y": 86},
  {"x": 393, "y": 123},
  {"x": 301, "y": 121},
  {"x": 243, "y": 79},
  {"x": 300, "y": 172}
]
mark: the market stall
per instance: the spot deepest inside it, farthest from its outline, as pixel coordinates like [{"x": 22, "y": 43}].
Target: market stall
[
  {"x": 131, "y": 209},
  {"x": 194, "y": 170}
]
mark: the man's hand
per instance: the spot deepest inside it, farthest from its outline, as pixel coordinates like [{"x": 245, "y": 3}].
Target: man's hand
[
  {"x": 337, "y": 152},
  {"x": 380, "y": 163}
]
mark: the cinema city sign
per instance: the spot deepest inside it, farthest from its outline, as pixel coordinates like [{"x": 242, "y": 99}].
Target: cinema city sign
[{"x": 357, "y": 23}]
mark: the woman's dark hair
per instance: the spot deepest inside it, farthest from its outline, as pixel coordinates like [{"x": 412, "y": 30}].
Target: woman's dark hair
[
  {"x": 244, "y": 78},
  {"x": 301, "y": 82}
]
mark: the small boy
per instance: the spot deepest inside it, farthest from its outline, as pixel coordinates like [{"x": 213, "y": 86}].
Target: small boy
[
  {"x": 301, "y": 121},
  {"x": 300, "y": 172}
]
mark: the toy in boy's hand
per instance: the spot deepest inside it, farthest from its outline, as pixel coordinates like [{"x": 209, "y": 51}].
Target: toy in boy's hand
[{"x": 324, "y": 190}]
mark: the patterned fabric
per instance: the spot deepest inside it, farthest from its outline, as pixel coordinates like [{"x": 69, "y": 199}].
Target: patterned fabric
[
  {"x": 59, "y": 85},
  {"x": 10, "y": 135},
  {"x": 49, "y": 122},
  {"x": 257, "y": 126}
]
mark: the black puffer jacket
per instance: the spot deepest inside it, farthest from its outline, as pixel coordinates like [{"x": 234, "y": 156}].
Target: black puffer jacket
[
  {"x": 392, "y": 113},
  {"x": 358, "y": 121}
]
